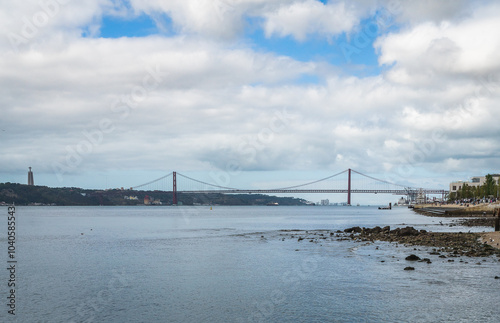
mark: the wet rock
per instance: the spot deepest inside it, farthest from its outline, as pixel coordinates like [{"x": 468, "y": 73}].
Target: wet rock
[
  {"x": 412, "y": 258},
  {"x": 408, "y": 231},
  {"x": 452, "y": 243},
  {"x": 353, "y": 230}
]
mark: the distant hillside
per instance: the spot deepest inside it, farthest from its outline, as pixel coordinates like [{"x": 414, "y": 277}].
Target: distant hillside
[{"x": 21, "y": 194}]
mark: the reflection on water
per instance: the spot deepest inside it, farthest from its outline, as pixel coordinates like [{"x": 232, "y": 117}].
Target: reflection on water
[{"x": 233, "y": 264}]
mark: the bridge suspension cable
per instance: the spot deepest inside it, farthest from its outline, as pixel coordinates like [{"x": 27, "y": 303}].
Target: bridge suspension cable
[
  {"x": 376, "y": 179},
  {"x": 313, "y": 182},
  {"x": 151, "y": 182},
  {"x": 207, "y": 184}
]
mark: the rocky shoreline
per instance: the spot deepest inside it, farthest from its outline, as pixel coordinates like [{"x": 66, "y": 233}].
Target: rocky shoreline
[
  {"x": 476, "y": 222},
  {"x": 444, "y": 244},
  {"x": 459, "y": 247}
]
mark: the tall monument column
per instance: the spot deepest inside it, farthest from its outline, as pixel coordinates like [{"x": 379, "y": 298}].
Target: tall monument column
[{"x": 30, "y": 178}]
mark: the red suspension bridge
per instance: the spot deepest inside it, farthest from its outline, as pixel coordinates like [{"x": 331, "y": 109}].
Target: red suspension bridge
[{"x": 356, "y": 183}]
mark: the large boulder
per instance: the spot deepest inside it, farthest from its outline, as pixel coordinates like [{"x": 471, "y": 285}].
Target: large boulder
[
  {"x": 353, "y": 229},
  {"x": 408, "y": 231},
  {"x": 412, "y": 258}
]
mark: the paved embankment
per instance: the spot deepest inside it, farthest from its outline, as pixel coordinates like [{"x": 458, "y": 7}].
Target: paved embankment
[{"x": 457, "y": 211}]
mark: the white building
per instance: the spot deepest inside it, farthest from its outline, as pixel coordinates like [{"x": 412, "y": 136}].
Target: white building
[{"x": 474, "y": 181}]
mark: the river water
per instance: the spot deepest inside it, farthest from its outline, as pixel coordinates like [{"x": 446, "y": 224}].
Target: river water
[{"x": 233, "y": 264}]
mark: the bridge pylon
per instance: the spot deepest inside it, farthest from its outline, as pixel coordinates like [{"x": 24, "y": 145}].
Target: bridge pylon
[
  {"x": 174, "y": 188},
  {"x": 349, "y": 187}
]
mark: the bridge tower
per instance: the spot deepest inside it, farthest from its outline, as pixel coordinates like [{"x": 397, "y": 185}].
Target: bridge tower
[
  {"x": 174, "y": 188},
  {"x": 349, "y": 188}
]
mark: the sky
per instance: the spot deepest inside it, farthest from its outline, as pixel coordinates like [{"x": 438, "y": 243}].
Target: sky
[{"x": 245, "y": 93}]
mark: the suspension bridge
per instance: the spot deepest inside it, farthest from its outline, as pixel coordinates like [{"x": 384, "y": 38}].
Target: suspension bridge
[{"x": 347, "y": 182}]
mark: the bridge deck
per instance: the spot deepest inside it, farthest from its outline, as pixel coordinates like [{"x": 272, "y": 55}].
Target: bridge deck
[{"x": 396, "y": 192}]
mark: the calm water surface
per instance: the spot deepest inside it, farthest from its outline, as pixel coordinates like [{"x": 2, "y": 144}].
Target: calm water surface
[{"x": 232, "y": 264}]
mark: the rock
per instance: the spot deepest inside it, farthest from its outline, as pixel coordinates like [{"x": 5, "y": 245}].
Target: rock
[
  {"x": 409, "y": 268},
  {"x": 408, "y": 231},
  {"x": 353, "y": 229},
  {"x": 412, "y": 258},
  {"x": 496, "y": 277}
]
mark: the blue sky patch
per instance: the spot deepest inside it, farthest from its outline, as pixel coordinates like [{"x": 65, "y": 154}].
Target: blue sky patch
[{"x": 116, "y": 27}]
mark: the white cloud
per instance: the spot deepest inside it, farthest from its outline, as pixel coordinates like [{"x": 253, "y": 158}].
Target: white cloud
[
  {"x": 301, "y": 19},
  {"x": 33, "y": 23},
  {"x": 216, "y": 102},
  {"x": 415, "y": 12},
  {"x": 446, "y": 49}
]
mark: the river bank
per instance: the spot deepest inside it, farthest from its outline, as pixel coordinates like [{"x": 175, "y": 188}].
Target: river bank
[
  {"x": 443, "y": 244},
  {"x": 456, "y": 210},
  {"x": 471, "y": 216}
]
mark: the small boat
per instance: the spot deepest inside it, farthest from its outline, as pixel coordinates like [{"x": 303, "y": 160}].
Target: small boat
[{"x": 385, "y": 207}]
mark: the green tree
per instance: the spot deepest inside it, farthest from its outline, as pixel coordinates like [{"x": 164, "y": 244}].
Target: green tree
[
  {"x": 466, "y": 192},
  {"x": 490, "y": 186}
]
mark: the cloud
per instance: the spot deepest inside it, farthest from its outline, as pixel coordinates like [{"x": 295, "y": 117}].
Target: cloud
[
  {"x": 446, "y": 49},
  {"x": 303, "y": 18},
  {"x": 194, "y": 102},
  {"x": 35, "y": 23},
  {"x": 416, "y": 12}
]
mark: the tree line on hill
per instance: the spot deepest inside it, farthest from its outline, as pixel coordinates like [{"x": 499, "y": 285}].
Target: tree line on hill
[{"x": 21, "y": 194}]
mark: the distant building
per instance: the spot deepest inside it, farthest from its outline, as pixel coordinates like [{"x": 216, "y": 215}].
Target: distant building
[
  {"x": 149, "y": 200},
  {"x": 474, "y": 181},
  {"x": 325, "y": 202},
  {"x": 30, "y": 178}
]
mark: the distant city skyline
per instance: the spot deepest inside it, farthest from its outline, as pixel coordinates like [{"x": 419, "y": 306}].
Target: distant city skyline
[{"x": 101, "y": 95}]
